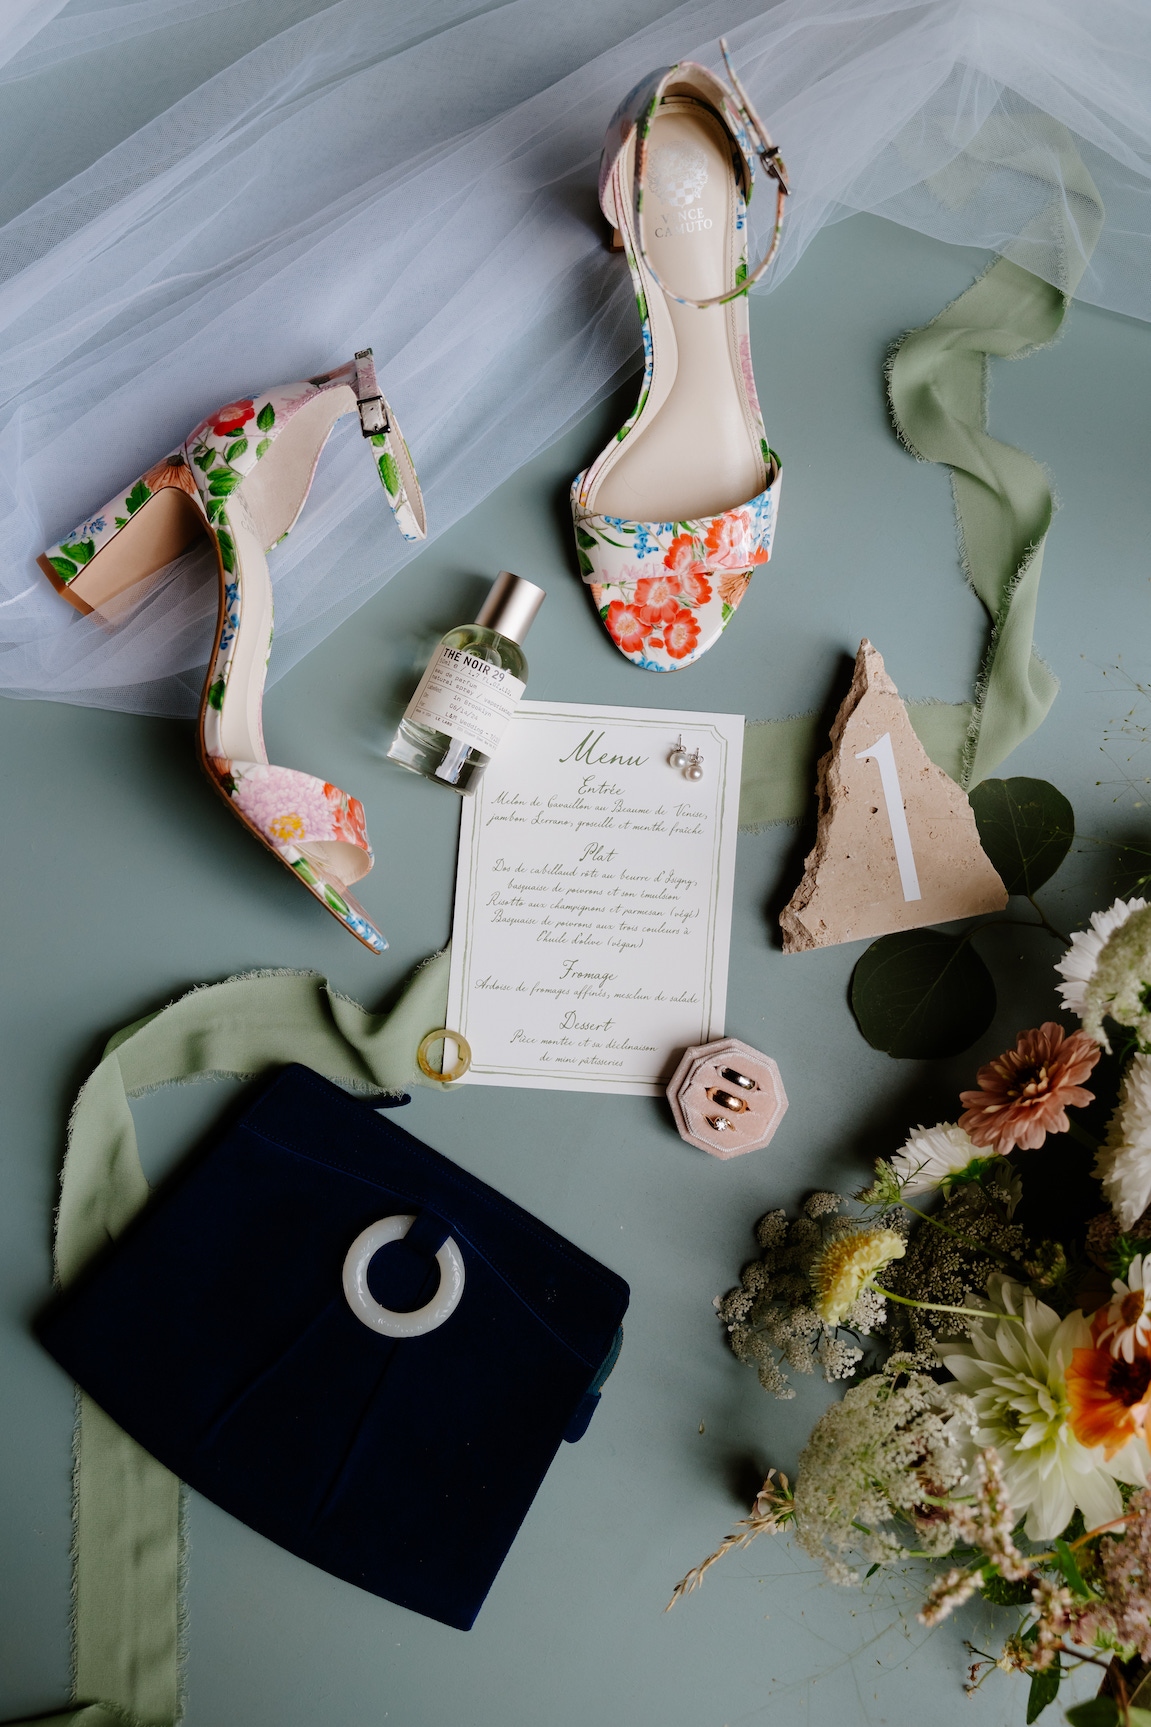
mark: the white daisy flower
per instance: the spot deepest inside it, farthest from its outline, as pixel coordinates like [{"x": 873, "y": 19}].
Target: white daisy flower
[
  {"x": 1015, "y": 1376},
  {"x": 1123, "y": 1161},
  {"x": 934, "y": 1156},
  {"x": 1128, "y": 1324},
  {"x": 1098, "y": 982}
]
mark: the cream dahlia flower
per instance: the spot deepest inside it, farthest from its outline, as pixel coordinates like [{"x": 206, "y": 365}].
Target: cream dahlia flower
[
  {"x": 1123, "y": 1161},
  {"x": 1016, "y": 1378},
  {"x": 934, "y": 1156},
  {"x": 1107, "y": 967}
]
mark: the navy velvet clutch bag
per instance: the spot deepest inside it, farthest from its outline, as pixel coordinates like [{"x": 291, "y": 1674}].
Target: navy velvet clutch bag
[{"x": 347, "y": 1342}]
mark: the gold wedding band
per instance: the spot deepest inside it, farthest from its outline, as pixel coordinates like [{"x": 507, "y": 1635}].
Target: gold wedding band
[{"x": 464, "y": 1055}]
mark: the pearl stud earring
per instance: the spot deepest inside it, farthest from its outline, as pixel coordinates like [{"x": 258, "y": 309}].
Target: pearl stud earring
[
  {"x": 678, "y": 756},
  {"x": 694, "y": 768}
]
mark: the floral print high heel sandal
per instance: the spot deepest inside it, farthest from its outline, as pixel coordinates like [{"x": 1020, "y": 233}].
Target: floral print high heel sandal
[
  {"x": 242, "y": 476},
  {"x": 672, "y": 518}
]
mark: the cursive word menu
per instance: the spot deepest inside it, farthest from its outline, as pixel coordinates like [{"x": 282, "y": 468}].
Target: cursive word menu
[{"x": 593, "y": 898}]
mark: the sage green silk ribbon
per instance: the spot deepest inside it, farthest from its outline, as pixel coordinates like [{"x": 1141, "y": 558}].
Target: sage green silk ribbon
[
  {"x": 937, "y": 383},
  {"x": 938, "y": 391},
  {"x": 127, "y": 1506}
]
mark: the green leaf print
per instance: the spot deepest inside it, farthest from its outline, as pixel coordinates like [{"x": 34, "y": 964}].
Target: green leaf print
[
  {"x": 204, "y": 456},
  {"x": 236, "y": 449},
  {"x": 641, "y": 302},
  {"x": 216, "y": 700},
  {"x": 266, "y": 418},
  {"x": 306, "y": 870},
  {"x": 121, "y": 521},
  {"x": 333, "y": 899},
  {"x": 263, "y": 447},
  {"x": 741, "y": 272},
  {"x": 726, "y": 610},
  {"x": 139, "y": 494},
  {"x": 390, "y": 474},
  {"x": 224, "y": 482},
  {"x": 81, "y": 552},
  {"x": 587, "y": 568},
  {"x": 227, "y": 550},
  {"x": 603, "y": 612},
  {"x": 215, "y": 509},
  {"x": 64, "y": 569},
  {"x": 378, "y": 438}
]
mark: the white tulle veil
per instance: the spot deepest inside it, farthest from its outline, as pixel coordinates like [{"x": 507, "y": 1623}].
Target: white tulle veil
[{"x": 420, "y": 175}]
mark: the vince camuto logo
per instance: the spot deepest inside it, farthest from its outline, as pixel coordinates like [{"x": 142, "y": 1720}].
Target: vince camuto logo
[{"x": 677, "y": 174}]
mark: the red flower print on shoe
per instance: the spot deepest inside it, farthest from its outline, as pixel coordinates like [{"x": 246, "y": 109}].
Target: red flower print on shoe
[
  {"x": 625, "y": 626},
  {"x": 681, "y": 636}
]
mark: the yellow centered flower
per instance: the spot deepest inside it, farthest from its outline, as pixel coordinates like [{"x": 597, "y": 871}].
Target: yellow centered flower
[
  {"x": 287, "y": 827},
  {"x": 846, "y": 1267}
]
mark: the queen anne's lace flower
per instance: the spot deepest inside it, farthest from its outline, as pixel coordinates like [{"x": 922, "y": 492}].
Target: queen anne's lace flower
[
  {"x": 934, "y": 1156},
  {"x": 1016, "y": 1377},
  {"x": 1107, "y": 967},
  {"x": 880, "y": 1455},
  {"x": 1123, "y": 1161}
]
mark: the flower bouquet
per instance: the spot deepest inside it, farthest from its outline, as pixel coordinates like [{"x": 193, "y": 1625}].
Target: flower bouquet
[{"x": 1001, "y": 1370}]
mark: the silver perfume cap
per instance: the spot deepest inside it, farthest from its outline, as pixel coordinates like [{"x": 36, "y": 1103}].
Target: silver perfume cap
[{"x": 511, "y": 606}]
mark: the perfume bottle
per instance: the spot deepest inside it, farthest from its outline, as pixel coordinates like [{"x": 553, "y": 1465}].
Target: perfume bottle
[{"x": 472, "y": 687}]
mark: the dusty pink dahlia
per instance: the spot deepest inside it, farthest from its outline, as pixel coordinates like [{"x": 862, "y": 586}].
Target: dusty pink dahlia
[{"x": 1023, "y": 1094}]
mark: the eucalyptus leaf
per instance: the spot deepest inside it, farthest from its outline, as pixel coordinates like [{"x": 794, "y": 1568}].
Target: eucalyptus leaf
[
  {"x": 921, "y": 994},
  {"x": 1097, "y": 1712},
  {"x": 1044, "y": 1690},
  {"x": 1025, "y": 827}
]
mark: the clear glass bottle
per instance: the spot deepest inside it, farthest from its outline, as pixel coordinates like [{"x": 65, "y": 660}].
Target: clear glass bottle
[{"x": 473, "y": 684}]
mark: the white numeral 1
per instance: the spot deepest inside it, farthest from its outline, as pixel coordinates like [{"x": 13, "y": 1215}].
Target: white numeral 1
[{"x": 893, "y": 797}]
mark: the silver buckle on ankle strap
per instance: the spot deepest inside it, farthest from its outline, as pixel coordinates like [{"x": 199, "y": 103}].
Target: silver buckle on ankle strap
[{"x": 373, "y": 413}]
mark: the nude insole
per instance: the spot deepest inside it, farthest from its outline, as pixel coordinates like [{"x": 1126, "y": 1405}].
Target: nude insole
[{"x": 695, "y": 450}]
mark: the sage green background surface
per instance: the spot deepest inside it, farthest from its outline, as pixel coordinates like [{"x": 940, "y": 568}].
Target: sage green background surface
[{"x": 126, "y": 881}]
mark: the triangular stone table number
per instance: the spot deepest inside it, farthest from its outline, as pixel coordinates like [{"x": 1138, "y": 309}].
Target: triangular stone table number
[{"x": 897, "y": 845}]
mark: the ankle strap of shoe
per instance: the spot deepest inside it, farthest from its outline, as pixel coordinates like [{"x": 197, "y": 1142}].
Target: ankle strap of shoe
[
  {"x": 751, "y": 137},
  {"x": 396, "y": 469}
]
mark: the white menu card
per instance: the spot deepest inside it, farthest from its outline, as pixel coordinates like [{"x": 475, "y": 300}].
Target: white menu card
[{"x": 593, "y": 898}]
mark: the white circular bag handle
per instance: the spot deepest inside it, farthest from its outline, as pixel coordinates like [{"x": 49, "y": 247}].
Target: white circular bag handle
[{"x": 364, "y": 1304}]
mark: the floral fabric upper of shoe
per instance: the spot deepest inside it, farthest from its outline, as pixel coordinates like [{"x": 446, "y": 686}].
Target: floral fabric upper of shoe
[
  {"x": 665, "y": 591},
  {"x": 300, "y": 818}
]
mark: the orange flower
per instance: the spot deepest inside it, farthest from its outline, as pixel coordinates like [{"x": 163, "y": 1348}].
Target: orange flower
[
  {"x": 656, "y": 616},
  {"x": 729, "y": 543},
  {"x": 172, "y": 471},
  {"x": 1023, "y": 1094},
  {"x": 625, "y": 626},
  {"x": 685, "y": 557},
  {"x": 696, "y": 588},
  {"x": 654, "y": 592},
  {"x": 681, "y": 635},
  {"x": 733, "y": 588},
  {"x": 1109, "y": 1398}
]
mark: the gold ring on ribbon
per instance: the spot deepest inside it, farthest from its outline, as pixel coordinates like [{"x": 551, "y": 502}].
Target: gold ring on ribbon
[{"x": 463, "y": 1052}]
